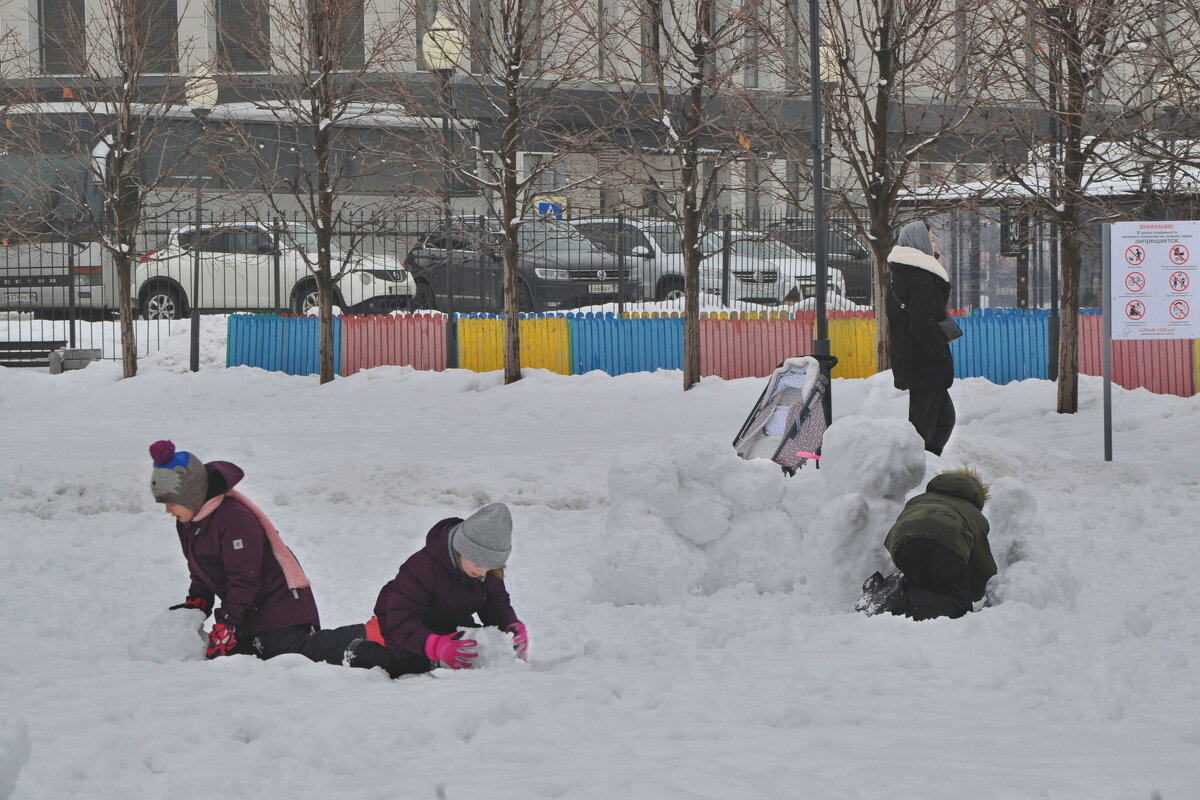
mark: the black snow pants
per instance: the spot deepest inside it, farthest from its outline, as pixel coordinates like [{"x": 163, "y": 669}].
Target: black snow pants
[
  {"x": 368, "y": 654},
  {"x": 936, "y": 580},
  {"x": 327, "y": 645},
  {"x": 931, "y": 412}
]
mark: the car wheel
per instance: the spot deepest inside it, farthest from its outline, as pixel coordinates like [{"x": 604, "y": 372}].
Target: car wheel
[
  {"x": 162, "y": 303},
  {"x": 524, "y": 299},
  {"x": 304, "y": 298},
  {"x": 425, "y": 297},
  {"x": 670, "y": 290}
]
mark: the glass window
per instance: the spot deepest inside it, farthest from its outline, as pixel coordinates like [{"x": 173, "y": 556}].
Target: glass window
[
  {"x": 243, "y": 34},
  {"x": 161, "y": 18},
  {"x": 63, "y": 48}
]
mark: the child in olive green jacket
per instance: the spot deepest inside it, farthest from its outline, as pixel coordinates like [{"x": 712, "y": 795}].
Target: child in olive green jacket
[{"x": 939, "y": 545}]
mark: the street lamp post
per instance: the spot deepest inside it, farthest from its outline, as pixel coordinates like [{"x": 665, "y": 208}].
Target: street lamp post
[
  {"x": 821, "y": 350},
  {"x": 200, "y": 90},
  {"x": 442, "y": 45},
  {"x": 1054, "y": 15}
]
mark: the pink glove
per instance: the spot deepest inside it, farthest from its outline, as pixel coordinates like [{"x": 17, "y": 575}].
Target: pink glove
[
  {"x": 451, "y": 650},
  {"x": 520, "y": 639}
]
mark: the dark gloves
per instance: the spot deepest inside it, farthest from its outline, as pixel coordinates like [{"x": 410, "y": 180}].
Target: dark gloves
[
  {"x": 222, "y": 641},
  {"x": 195, "y": 601}
]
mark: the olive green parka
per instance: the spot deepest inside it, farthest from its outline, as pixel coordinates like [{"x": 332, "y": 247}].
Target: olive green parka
[{"x": 950, "y": 512}]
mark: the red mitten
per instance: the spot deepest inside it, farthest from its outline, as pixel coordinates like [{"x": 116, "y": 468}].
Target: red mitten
[
  {"x": 222, "y": 641},
  {"x": 194, "y": 601},
  {"x": 451, "y": 650}
]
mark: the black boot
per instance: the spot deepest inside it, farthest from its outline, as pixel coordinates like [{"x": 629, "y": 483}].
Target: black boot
[{"x": 881, "y": 594}]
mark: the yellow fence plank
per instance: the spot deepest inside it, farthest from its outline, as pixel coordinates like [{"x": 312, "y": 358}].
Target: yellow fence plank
[{"x": 545, "y": 344}]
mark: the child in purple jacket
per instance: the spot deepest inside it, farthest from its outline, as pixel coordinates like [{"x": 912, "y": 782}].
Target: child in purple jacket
[
  {"x": 234, "y": 553},
  {"x": 457, "y": 574}
]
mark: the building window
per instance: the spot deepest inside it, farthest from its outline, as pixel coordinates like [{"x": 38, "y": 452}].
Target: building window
[
  {"x": 751, "y": 41},
  {"x": 60, "y": 27},
  {"x": 751, "y": 189},
  {"x": 481, "y": 29},
  {"x": 243, "y": 34},
  {"x": 548, "y": 176},
  {"x": 606, "y": 38},
  {"x": 337, "y": 31},
  {"x": 648, "y": 44},
  {"x": 157, "y": 23}
]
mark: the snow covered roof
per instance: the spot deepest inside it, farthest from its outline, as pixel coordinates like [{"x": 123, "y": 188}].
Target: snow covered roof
[{"x": 1117, "y": 169}]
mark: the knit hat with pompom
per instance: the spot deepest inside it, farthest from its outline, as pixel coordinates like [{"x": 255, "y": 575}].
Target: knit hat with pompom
[{"x": 178, "y": 477}]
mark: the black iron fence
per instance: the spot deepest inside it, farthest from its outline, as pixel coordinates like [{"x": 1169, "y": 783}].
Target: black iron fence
[{"x": 605, "y": 261}]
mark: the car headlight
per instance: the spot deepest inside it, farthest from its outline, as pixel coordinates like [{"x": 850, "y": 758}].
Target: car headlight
[{"x": 548, "y": 274}]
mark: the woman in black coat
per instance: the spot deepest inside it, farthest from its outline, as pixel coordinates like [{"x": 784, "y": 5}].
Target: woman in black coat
[{"x": 921, "y": 360}]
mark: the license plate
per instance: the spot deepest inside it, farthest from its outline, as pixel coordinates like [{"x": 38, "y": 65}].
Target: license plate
[
  {"x": 392, "y": 289},
  {"x": 20, "y": 297},
  {"x": 602, "y": 288}
]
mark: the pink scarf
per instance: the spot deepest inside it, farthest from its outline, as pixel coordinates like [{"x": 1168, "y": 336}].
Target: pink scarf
[{"x": 296, "y": 579}]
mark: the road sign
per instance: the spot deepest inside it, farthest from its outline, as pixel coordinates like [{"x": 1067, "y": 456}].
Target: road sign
[{"x": 1152, "y": 268}]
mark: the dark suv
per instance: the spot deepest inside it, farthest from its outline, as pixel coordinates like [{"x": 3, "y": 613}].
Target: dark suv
[
  {"x": 462, "y": 269},
  {"x": 844, "y": 251}
]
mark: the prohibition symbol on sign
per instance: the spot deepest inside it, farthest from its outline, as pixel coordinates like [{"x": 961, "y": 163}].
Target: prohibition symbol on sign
[
  {"x": 1179, "y": 309},
  {"x": 1135, "y": 309},
  {"x": 1135, "y": 254},
  {"x": 1135, "y": 281},
  {"x": 1179, "y": 281},
  {"x": 1179, "y": 254}
]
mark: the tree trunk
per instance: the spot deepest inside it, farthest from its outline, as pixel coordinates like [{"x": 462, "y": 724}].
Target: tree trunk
[{"x": 129, "y": 360}]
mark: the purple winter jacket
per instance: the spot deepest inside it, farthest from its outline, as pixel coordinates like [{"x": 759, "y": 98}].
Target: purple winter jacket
[
  {"x": 229, "y": 555},
  {"x": 431, "y": 594}
]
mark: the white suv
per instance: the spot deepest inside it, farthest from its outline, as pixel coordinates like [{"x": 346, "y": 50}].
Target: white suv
[
  {"x": 761, "y": 270},
  {"x": 245, "y": 266}
]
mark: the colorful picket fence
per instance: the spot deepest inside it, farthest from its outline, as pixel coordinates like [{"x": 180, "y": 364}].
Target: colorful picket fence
[{"x": 1001, "y": 345}]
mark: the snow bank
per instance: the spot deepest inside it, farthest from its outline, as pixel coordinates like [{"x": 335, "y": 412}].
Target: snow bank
[{"x": 15, "y": 747}]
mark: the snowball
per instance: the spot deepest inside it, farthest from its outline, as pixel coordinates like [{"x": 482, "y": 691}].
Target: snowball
[
  {"x": 494, "y": 647},
  {"x": 172, "y": 636},
  {"x": 872, "y": 457}
]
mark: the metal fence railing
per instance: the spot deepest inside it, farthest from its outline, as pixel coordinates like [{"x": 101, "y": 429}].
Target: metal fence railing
[{"x": 590, "y": 262}]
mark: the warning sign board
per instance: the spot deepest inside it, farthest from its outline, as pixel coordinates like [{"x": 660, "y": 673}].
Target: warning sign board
[{"x": 1152, "y": 268}]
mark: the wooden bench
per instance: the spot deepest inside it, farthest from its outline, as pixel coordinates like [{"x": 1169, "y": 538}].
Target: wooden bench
[{"x": 28, "y": 354}]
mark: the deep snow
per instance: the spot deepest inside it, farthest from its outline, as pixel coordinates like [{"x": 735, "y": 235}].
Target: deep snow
[{"x": 690, "y": 614}]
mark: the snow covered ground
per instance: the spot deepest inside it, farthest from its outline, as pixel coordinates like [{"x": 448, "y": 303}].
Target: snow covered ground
[{"x": 690, "y": 613}]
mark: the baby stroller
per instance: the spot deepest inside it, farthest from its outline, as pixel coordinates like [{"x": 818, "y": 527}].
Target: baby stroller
[{"x": 789, "y": 420}]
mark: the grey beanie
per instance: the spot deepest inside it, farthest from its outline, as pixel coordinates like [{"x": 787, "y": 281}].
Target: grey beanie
[
  {"x": 178, "y": 477},
  {"x": 485, "y": 537},
  {"x": 915, "y": 235}
]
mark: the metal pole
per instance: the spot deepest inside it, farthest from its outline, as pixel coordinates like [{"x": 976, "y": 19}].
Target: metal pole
[
  {"x": 1053, "y": 322},
  {"x": 821, "y": 348},
  {"x": 1106, "y": 320},
  {"x": 196, "y": 261},
  {"x": 448, "y": 219}
]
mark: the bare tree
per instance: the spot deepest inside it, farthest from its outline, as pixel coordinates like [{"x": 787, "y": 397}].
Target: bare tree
[
  {"x": 900, "y": 91},
  {"x": 677, "y": 83},
  {"x": 519, "y": 61},
  {"x": 1075, "y": 69},
  {"x": 120, "y": 115},
  {"x": 323, "y": 88}
]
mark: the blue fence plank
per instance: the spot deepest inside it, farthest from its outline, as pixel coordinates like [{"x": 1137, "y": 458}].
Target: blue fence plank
[
  {"x": 617, "y": 346},
  {"x": 1002, "y": 345},
  {"x": 280, "y": 344}
]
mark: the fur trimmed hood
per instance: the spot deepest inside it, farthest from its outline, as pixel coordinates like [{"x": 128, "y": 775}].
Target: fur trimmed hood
[{"x": 913, "y": 257}]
